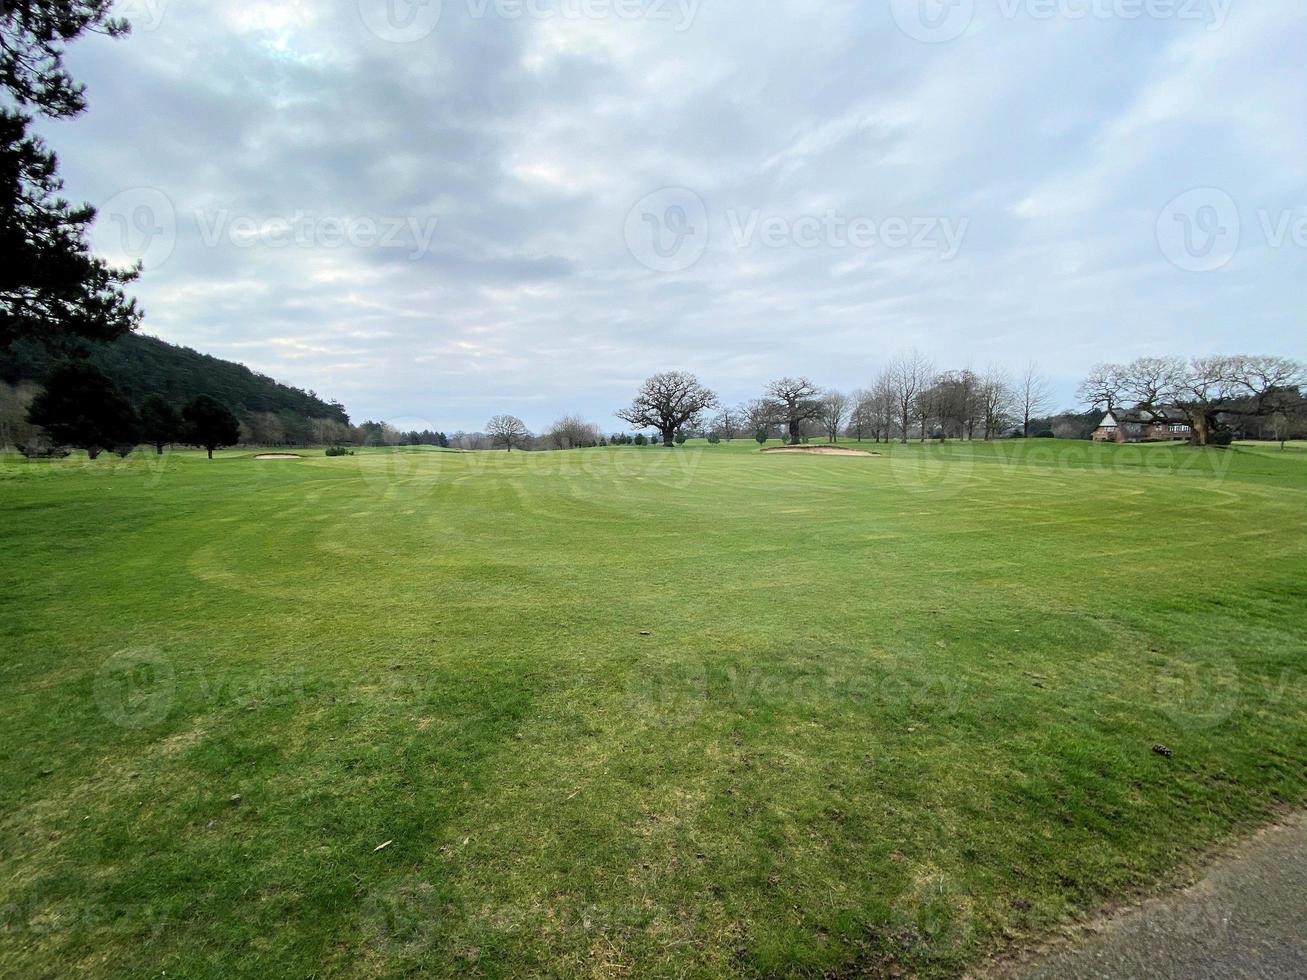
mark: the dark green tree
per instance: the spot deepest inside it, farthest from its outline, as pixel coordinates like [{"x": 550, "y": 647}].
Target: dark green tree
[
  {"x": 33, "y": 34},
  {"x": 51, "y": 286},
  {"x": 210, "y": 424},
  {"x": 80, "y": 407},
  {"x": 160, "y": 423}
]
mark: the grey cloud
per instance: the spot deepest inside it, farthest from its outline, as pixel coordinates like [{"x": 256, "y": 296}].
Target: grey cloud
[{"x": 528, "y": 142}]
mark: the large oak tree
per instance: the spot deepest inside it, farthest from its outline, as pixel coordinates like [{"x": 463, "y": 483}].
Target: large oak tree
[
  {"x": 507, "y": 431},
  {"x": 668, "y": 402},
  {"x": 796, "y": 401}
]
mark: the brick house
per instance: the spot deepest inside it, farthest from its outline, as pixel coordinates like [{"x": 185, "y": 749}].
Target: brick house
[{"x": 1166, "y": 424}]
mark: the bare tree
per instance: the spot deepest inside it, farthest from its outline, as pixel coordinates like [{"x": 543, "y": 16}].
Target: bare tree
[
  {"x": 1266, "y": 379},
  {"x": 861, "y": 414},
  {"x": 470, "y": 440},
  {"x": 1104, "y": 387},
  {"x": 1033, "y": 396},
  {"x": 1288, "y": 419},
  {"x": 572, "y": 432},
  {"x": 908, "y": 375},
  {"x": 508, "y": 431},
  {"x": 1201, "y": 389},
  {"x": 870, "y": 411},
  {"x": 997, "y": 398},
  {"x": 1205, "y": 388},
  {"x": 1196, "y": 388},
  {"x": 667, "y": 402},
  {"x": 1155, "y": 381},
  {"x": 953, "y": 399},
  {"x": 833, "y": 411},
  {"x": 926, "y": 407},
  {"x": 882, "y": 406},
  {"x": 796, "y": 401},
  {"x": 727, "y": 422},
  {"x": 760, "y": 416}
]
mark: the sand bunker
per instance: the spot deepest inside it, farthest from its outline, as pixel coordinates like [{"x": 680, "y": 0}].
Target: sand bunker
[
  {"x": 279, "y": 456},
  {"x": 819, "y": 451}
]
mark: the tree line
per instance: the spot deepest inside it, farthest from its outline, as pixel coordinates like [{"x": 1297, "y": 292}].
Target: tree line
[
  {"x": 80, "y": 408},
  {"x": 140, "y": 365},
  {"x": 677, "y": 406},
  {"x": 912, "y": 399},
  {"x": 909, "y": 399}
]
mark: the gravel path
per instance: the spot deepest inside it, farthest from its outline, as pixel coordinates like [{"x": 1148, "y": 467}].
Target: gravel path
[{"x": 1246, "y": 918}]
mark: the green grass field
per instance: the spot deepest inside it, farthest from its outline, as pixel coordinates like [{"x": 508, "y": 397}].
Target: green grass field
[{"x": 631, "y": 712}]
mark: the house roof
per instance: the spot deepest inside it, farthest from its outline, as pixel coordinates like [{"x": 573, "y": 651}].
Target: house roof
[{"x": 1164, "y": 415}]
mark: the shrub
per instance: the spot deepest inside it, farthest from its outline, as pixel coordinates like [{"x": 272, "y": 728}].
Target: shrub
[
  {"x": 339, "y": 451},
  {"x": 1221, "y": 438},
  {"x": 714, "y": 439},
  {"x": 36, "y": 450},
  {"x": 680, "y": 438},
  {"x": 641, "y": 440},
  {"x": 761, "y": 436}
]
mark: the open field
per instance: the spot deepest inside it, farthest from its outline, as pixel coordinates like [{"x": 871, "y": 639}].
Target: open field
[{"x": 631, "y": 712}]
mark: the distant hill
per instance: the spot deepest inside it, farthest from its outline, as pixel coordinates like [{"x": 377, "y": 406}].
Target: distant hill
[{"x": 141, "y": 365}]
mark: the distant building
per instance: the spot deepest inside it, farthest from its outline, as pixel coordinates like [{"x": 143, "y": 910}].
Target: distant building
[{"x": 1164, "y": 424}]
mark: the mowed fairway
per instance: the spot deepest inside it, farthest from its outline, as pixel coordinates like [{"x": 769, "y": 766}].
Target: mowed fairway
[{"x": 631, "y": 712}]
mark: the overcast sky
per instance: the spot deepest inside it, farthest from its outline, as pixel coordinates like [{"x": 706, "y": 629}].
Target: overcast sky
[{"x": 445, "y": 211}]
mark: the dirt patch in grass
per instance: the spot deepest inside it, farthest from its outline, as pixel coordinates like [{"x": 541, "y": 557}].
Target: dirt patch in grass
[
  {"x": 279, "y": 456},
  {"x": 820, "y": 451}
]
